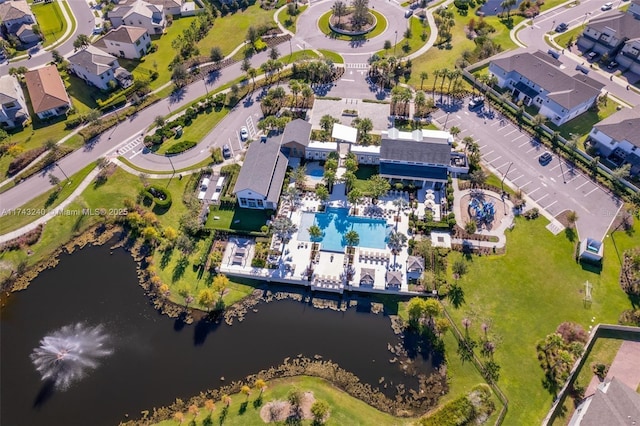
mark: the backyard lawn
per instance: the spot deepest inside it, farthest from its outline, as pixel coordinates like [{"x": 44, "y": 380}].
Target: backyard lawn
[
  {"x": 523, "y": 300},
  {"x": 237, "y": 218},
  {"x": 582, "y": 124},
  {"x": 50, "y": 19}
]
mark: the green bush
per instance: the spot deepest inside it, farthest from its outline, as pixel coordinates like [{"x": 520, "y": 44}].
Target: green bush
[
  {"x": 259, "y": 45},
  {"x": 216, "y": 154},
  {"x": 24, "y": 159},
  {"x": 458, "y": 412},
  {"x": 159, "y": 195},
  {"x": 180, "y": 147}
]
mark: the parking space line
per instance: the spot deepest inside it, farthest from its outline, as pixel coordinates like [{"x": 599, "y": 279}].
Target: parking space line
[
  {"x": 551, "y": 204},
  {"x": 585, "y": 182},
  {"x": 515, "y": 179},
  {"x": 572, "y": 179},
  {"x": 523, "y": 144},
  {"x": 525, "y": 184},
  {"x": 521, "y": 136},
  {"x": 531, "y": 192},
  {"x": 555, "y": 167},
  {"x": 542, "y": 198},
  {"x": 489, "y": 152},
  {"x": 483, "y": 146},
  {"x": 499, "y": 167},
  {"x": 502, "y": 128},
  {"x": 513, "y": 131},
  {"x": 496, "y": 159},
  {"x": 497, "y": 122},
  {"x": 533, "y": 149},
  {"x": 589, "y": 193}
]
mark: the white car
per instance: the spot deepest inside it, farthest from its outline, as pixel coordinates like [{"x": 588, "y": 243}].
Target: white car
[
  {"x": 244, "y": 133},
  {"x": 607, "y": 6}
]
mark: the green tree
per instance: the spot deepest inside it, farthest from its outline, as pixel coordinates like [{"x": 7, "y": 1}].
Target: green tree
[
  {"x": 319, "y": 411},
  {"x": 355, "y": 197},
  {"x": 206, "y": 298},
  {"x": 216, "y": 55},
  {"x": 283, "y": 227},
  {"x": 364, "y": 126},
  {"x": 315, "y": 232},
  {"x": 81, "y": 41},
  {"x": 377, "y": 186},
  {"x": 396, "y": 243},
  {"x": 572, "y": 218},
  {"x": 352, "y": 238},
  {"x": 54, "y": 180},
  {"x": 423, "y": 76},
  {"x": 327, "y": 122},
  {"x": 387, "y": 45},
  {"x": 299, "y": 176},
  {"x": 322, "y": 193},
  {"x": 179, "y": 75},
  {"x": 478, "y": 178},
  {"x": 339, "y": 9},
  {"x": 459, "y": 267}
]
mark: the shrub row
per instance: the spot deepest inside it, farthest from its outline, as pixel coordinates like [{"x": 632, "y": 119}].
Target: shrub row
[
  {"x": 24, "y": 159},
  {"x": 163, "y": 203},
  {"x": 180, "y": 147},
  {"x": 46, "y": 162},
  {"x": 27, "y": 239}
]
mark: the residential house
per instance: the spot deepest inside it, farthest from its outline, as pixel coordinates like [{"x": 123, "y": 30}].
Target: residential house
[
  {"x": 320, "y": 151},
  {"x": 13, "y": 108},
  {"x": 262, "y": 174},
  {"x": 295, "y": 138},
  {"x": 125, "y": 42},
  {"x": 369, "y": 155},
  {"x": 48, "y": 96},
  {"x": 617, "y": 138},
  {"x": 139, "y": 14},
  {"x": 421, "y": 156},
  {"x": 415, "y": 267},
  {"x": 536, "y": 79},
  {"x": 17, "y": 19},
  {"x": 613, "y": 403},
  {"x": 169, "y": 7},
  {"x": 97, "y": 67},
  {"x": 634, "y": 8}
]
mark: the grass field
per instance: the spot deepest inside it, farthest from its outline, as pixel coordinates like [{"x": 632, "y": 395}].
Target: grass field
[
  {"x": 289, "y": 22},
  {"x": 323, "y": 24},
  {"x": 523, "y": 301},
  {"x": 345, "y": 410},
  {"x": 300, "y": 55},
  {"x": 52, "y": 23},
  {"x": 237, "y": 219},
  {"x": 582, "y": 124},
  {"x": 199, "y": 128},
  {"x": 333, "y": 56},
  {"x": 416, "y": 41},
  {"x": 563, "y": 39}
]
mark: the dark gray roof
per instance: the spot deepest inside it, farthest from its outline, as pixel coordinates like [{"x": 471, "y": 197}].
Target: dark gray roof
[
  {"x": 297, "y": 131},
  {"x": 615, "y": 404},
  {"x": 415, "y": 263},
  {"x": 416, "y": 151},
  {"x": 263, "y": 167},
  {"x": 567, "y": 91},
  {"x": 625, "y": 25},
  {"x": 367, "y": 275},
  {"x": 8, "y": 87},
  {"x": 623, "y": 125},
  {"x": 394, "y": 278},
  {"x": 94, "y": 60}
]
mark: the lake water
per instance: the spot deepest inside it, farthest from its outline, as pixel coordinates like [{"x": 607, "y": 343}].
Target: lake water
[{"x": 157, "y": 359}]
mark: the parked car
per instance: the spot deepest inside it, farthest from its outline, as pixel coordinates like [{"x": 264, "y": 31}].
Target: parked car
[
  {"x": 612, "y": 65},
  {"x": 408, "y": 13},
  {"x": 476, "y": 102},
  {"x": 592, "y": 55},
  {"x": 607, "y": 6},
  {"x": 545, "y": 158},
  {"x": 562, "y": 27},
  {"x": 244, "y": 133},
  {"x": 226, "y": 151}
]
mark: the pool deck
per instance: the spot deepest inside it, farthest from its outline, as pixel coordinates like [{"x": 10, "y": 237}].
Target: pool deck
[{"x": 329, "y": 269}]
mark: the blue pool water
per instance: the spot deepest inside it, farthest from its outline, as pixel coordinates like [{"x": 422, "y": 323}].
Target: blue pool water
[
  {"x": 336, "y": 222},
  {"x": 316, "y": 172}
]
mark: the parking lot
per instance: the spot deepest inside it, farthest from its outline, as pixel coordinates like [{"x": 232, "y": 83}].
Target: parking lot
[{"x": 556, "y": 186}]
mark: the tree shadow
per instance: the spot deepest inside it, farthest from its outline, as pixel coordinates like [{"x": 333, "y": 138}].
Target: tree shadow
[
  {"x": 243, "y": 407},
  {"x": 223, "y": 414},
  {"x": 52, "y": 198},
  {"x": 181, "y": 266},
  {"x": 257, "y": 403},
  {"x": 205, "y": 326},
  {"x": 166, "y": 257},
  {"x": 180, "y": 321},
  {"x": 570, "y": 233}
]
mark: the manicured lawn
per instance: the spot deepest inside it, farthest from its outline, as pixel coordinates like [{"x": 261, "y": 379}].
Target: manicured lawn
[
  {"x": 45, "y": 202},
  {"x": 199, "y": 128},
  {"x": 49, "y": 17},
  {"x": 363, "y": 173},
  {"x": 300, "y": 55},
  {"x": 344, "y": 409},
  {"x": 416, "y": 41},
  {"x": 582, "y": 124},
  {"x": 289, "y": 22},
  {"x": 333, "y": 56},
  {"x": 573, "y": 35},
  {"x": 230, "y": 31},
  {"x": 525, "y": 294},
  {"x": 438, "y": 58},
  {"x": 323, "y": 24},
  {"x": 237, "y": 218}
]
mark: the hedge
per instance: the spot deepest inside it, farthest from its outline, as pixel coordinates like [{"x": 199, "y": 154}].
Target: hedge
[
  {"x": 180, "y": 147},
  {"x": 166, "y": 203},
  {"x": 24, "y": 159}
]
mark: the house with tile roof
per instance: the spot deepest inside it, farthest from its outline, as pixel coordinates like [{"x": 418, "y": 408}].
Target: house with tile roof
[
  {"x": 97, "y": 68},
  {"x": 13, "y": 107},
  {"x": 17, "y": 19},
  {"x": 139, "y": 14},
  {"x": 125, "y": 42},
  {"x": 48, "y": 95},
  {"x": 613, "y": 403},
  {"x": 535, "y": 78},
  {"x": 617, "y": 138}
]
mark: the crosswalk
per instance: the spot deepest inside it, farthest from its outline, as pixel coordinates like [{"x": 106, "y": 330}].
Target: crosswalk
[
  {"x": 357, "y": 66},
  {"x": 130, "y": 146}
]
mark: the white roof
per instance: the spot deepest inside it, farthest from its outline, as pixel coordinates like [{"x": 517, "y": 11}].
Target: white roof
[
  {"x": 428, "y": 135},
  {"x": 327, "y": 146},
  {"x": 220, "y": 182},
  {"x": 344, "y": 133},
  {"x": 360, "y": 149},
  {"x": 205, "y": 182}
]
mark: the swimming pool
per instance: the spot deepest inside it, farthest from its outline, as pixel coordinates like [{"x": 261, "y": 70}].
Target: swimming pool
[
  {"x": 336, "y": 222},
  {"x": 316, "y": 173}
]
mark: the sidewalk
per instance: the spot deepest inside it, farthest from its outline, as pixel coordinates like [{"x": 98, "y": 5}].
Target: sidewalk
[{"x": 54, "y": 212}]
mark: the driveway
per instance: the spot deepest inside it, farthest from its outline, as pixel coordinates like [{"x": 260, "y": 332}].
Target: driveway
[{"x": 556, "y": 186}]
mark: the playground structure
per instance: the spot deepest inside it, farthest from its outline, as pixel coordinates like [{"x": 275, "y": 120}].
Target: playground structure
[{"x": 482, "y": 211}]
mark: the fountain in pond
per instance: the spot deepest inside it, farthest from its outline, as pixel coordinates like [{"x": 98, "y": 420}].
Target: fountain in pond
[{"x": 65, "y": 356}]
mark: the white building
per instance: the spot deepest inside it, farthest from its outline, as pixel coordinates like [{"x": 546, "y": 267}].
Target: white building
[
  {"x": 13, "y": 107},
  {"x": 369, "y": 155},
  {"x": 97, "y": 67},
  {"x": 617, "y": 138},
  {"x": 319, "y": 150},
  {"x": 125, "y": 42},
  {"x": 139, "y": 14}
]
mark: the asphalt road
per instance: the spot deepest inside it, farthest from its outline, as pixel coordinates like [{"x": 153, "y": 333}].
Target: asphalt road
[
  {"x": 575, "y": 16},
  {"x": 556, "y": 186},
  {"x": 85, "y": 23}
]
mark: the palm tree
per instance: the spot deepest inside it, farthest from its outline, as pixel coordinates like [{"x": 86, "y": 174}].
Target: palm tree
[
  {"x": 423, "y": 76},
  {"x": 420, "y": 102},
  {"x": 329, "y": 178},
  {"x": 322, "y": 193},
  {"x": 453, "y": 76},
  {"x": 444, "y": 73},
  {"x": 307, "y": 93},
  {"x": 252, "y": 73},
  {"x": 315, "y": 232},
  {"x": 455, "y": 131},
  {"x": 261, "y": 385},
  {"x": 436, "y": 74},
  {"x": 246, "y": 390},
  {"x": 354, "y": 197},
  {"x": 456, "y": 295},
  {"x": 283, "y": 228},
  {"x": 294, "y": 86},
  {"x": 538, "y": 121},
  {"x": 352, "y": 238},
  {"x": 572, "y": 218},
  {"x": 396, "y": 243},
  {"x": 349, "y": 178},
  {"x": 339, "y": 9}
]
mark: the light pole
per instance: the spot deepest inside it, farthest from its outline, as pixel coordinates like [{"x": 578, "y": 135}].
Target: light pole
[
  {"x": 504, "y": 204},
  {"x": 395, "y": 44},
  {"x": 586, "y": 15},
  {"x": 553, "y": 23},
  {"x": 204, "y": 80},
  {"x": 65, "y": 175}
]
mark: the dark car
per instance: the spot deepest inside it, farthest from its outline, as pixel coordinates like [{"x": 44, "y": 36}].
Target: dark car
[
  {"x": 612, "y": 65},
  {"x": 562, "y": 27},
  {"x": 226, "y": 151},
  {"x": 545, "y": 158},
  {"x": 476, "y": 102}
]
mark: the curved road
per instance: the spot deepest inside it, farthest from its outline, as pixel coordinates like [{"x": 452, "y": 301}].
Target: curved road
[
  {"x": 85, "y": 21},
  {"x": 574, "y": 16}
]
